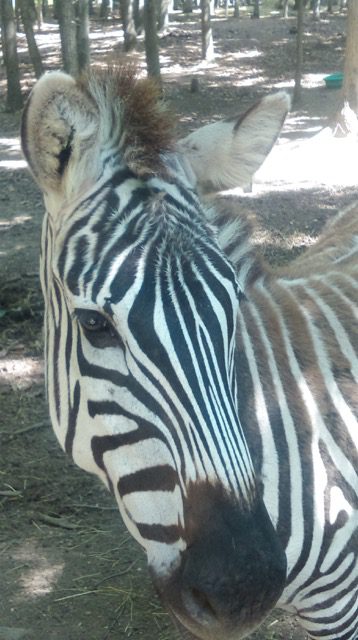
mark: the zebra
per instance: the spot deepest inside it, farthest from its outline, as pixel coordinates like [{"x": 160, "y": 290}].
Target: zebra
[{"x": 215, "y": 398}]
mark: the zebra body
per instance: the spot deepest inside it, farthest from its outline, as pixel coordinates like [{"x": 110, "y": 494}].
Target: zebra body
[
  {"x": 214, "y": 398},
  {"x": 297, "y": 356}
]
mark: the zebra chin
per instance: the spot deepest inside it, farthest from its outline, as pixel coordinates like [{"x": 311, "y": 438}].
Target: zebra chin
[{"x": 230, "y": 576}]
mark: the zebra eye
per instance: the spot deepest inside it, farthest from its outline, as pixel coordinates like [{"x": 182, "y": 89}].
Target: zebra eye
[
  {"x": 97, "y": 329},
  {"x": 92, "y": 320}
]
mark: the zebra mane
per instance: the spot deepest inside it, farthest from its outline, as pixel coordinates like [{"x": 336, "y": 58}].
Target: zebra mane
[
  {"x": 235, "y": 237},
  {"x": 132, "y": 109}
]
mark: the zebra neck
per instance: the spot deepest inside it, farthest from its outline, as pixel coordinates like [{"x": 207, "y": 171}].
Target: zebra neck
[
  {"x": 295, "y": 367},
  {"x": 234, "y": 235}
]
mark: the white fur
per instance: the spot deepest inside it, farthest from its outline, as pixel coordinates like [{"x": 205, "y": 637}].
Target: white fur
[{"x": 226, "y": 154}]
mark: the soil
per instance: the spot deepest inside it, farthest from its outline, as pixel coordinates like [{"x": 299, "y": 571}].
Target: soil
[{"x": 69, "y": 570}]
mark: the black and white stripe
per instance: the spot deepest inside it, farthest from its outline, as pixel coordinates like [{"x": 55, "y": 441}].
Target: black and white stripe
[
  {"x": 176, "y": 363},
  {"x": 298, "y": 367},
  {"x": 163, "y": 282}
]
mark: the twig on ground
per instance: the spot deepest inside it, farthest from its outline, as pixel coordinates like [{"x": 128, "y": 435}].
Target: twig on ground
[
  {"x": 10, "y": 494},
  {"x": 55, "y": 521},
  {"x": 77, "y": 505},
  {"x": 118, "y": 574},
  {"x": 18, "y": 432}
]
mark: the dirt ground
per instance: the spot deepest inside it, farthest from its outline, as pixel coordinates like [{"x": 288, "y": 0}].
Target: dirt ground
[{"x": 69, "y": 570}]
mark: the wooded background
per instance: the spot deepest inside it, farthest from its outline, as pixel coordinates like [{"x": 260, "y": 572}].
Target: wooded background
[{"x": 148, "y": 20}]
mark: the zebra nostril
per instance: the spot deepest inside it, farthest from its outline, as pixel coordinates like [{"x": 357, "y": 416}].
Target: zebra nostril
[{"x": 199, "y": 606}]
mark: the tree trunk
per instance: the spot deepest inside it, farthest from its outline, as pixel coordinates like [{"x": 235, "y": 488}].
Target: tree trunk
[
  {"x": 44, "y": 8},
  {"x": 347, "y": 114},
  {"x": 207, "y": 43},
  {"x": 56, "y": 10},
  {"x": 299, "y": 52},
  {"x": 8, "y": 39},
  {"x": 137, "y": 13},
  {"x": 256, "y": 11},
  {"x": 350, "y": 81},
  {"x": 104, "y": 10},
  {"x": 39, "y": 16},
  {"x": 128, "y": 23},
  {"x": 67, "y": 22},
  {"x": 151, "y": 39},
  {"x": 164, "y": 6},
  {"x": 236, "y": 8},
  {"x": 83, "y": 49},
  {"x": 187, "y": 6},
  {"x": 27, "y": 21},
  {"x": 285, "y": 8},
  {"x": 316, "y": 9}
]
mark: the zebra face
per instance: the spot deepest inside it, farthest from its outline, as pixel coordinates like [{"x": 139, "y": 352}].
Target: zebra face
[
  {"x": 140, "y": 326},
  {"x": 150, "y": 335},
  {"x": 152, "y": 331}
]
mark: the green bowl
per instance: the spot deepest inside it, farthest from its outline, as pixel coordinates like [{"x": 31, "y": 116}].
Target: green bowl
[{"x": 334, "y": 81}]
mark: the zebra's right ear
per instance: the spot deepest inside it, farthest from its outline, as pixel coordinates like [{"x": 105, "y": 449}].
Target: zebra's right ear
[
  {"x": 59, "y": 124},
  {"x": 226, "y": 154}
]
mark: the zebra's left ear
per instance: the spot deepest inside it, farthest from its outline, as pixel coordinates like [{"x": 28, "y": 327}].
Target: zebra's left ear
[
  {"x": 226, "y": 154},
  {"x": 59, "y": 124}
]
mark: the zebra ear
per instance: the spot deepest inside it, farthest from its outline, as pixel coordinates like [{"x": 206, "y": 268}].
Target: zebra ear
[
  {"x": 58, "y": 126},
  {"x": 226, "y": 154}
]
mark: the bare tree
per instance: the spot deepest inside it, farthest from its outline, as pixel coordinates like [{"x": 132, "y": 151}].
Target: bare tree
[
  {"x": 299, "y": 52},
  {"x": 256, "y": 11},
  {"x": 68, "y": 35},
  {"x": 164, "y": 6},
  {"x": 188, "y": 6},
  {"x": 39, "y": 13},
  {"x": 83, "y": 50},
  {"x": 8, "y": 39},
  {"x": 347, "y": 120},
  {"x": 151, "y": 38},
  {"x": 128, "y": 12},
  {"x": 28, "y": 16},
  {"x": 44, "y": 8},
  {"x": 104, "y": 10},
  {"x": 207, "y": 42},
  {"x": 73, "y": 17},
  {"x": 350, "y": 82},
  {"x": 316, "y": 8}
]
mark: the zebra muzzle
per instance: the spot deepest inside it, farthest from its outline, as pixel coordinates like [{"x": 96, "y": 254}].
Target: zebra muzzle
[{"x": 230, "y": 576}]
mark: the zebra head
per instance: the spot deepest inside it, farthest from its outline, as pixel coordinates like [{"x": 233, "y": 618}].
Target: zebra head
[{"x": 140, "y": 321}]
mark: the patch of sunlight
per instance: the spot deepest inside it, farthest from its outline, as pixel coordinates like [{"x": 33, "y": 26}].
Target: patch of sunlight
[
  {"x": 11, "y": 144},
  {"x": 48, "y": 37},
  {"x": 13, "y": 164},
  {"x": 250, "y": 81},
  {"x": 284, "y": 84},
  {"x": 294, "y": 241},
  {"x": 20, "y": 373},
  {"x": 38, "y": 582},
  {"x": 13, "y": 222},
  {"x": 319, "y": 160},
  {"x": 310, "y": 80},
  {"x": 241, "y": 55},
  {"x": 38, "y": 574},
  {"x": 102, "y": 35},
  {"x": 11, "y": 147},
  {"x": 200, "y": 68}
]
